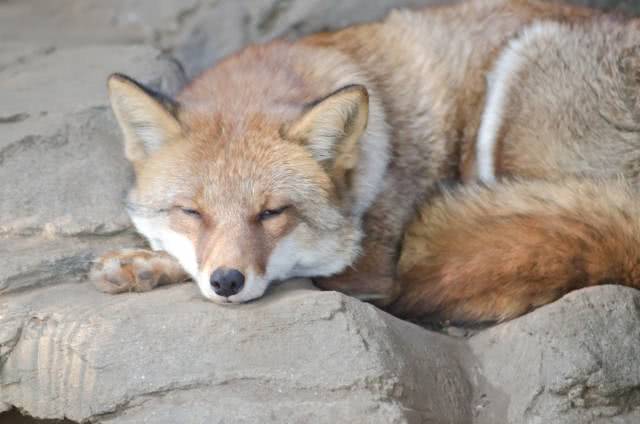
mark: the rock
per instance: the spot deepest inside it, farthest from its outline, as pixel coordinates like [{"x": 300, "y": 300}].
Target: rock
[
  {"x": 90, "y": 22},
  {"x": 197, "y": 32},
  {"x": 573, "y": 361},
  {"x": 61, "y": 162},
  {"x": 27, "y": 263},
  {"x": 298, "y": 355},
  {"x": 61, "y": 152}
]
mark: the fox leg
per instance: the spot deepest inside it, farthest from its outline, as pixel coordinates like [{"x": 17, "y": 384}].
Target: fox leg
[
  {"x": 372, "y": 288},
  {"x": 491, "y": 254},
  {"x": 370, "y": 279},
  {"x": 135, "y": 270}
]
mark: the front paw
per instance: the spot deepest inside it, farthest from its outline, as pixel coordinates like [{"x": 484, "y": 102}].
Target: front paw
[{"x": 134, "y": 271}]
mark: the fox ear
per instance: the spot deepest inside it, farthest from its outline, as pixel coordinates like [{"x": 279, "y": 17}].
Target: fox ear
[
  {"x": 331, "y": 127},
  {"x": 147, "y": 119}
]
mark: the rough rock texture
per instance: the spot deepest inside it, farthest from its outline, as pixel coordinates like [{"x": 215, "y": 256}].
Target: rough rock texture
[
  {"x": 298, "y": 355},
  {"x": 62, "y": 168},
  {"x": 574, "y": 361},
  {"x": 29, "y": 262},
  {"x": 57, "y": 148},
  {"x": 198, "y": 32}
]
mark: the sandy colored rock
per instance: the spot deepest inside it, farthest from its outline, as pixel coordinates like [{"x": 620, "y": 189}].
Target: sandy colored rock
[
  {"x": 63, "y": 173},
  {"x": 27, "y": 263},
  {"x": 573, "y": 361},
  {"x": 61, "y": 156},
  {"x": 197, "y": 32},
  {"x": 299, "y": 355}
]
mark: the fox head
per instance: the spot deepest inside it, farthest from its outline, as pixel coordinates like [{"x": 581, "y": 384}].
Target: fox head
[{"x": 244, "y": 199}]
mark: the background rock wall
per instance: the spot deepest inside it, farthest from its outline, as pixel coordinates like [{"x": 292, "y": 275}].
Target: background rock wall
[
  {"x": 198, "y": 32},
  {"x": 299, "y": 355}
]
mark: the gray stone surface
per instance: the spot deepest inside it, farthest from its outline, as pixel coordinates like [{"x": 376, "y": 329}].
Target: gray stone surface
[
  {"x": 169, "y": 356},
  {"x": 30, "y": 262},
  {"x": 573, "y": 361},
  {"x": 298, "y": 355},
  {"x": 197, "y": 32},
  {"x": 59, "y": 152},
  {"x": 63, "y": 173}
]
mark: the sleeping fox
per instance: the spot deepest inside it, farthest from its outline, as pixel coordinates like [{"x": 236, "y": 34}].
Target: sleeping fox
[{"x": 326, "y": 157}]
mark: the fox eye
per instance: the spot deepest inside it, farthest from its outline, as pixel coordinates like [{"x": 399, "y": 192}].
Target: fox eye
[
  {"x": 270, "y": 213},
  {"x": 191, "y": 212}
]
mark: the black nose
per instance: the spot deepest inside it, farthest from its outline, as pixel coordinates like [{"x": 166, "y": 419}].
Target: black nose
[{"x": 226, "y": 281}]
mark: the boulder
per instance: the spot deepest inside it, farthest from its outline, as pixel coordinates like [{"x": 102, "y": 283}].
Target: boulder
[
  {"x": 60, "y": 152},
  {"x": 197, "y": 32},
  {"x": 30, "y": 262},
  {"x": 573, "y": 361},
  {"x": 167, "y": 356},
  {"x": 61, "y": 162},
  {"x": 301, "y": 355}
]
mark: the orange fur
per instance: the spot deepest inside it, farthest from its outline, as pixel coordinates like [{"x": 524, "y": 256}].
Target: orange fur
[
  {"x": 477, "y": 254},
  {"x": 135, "y": 270}
]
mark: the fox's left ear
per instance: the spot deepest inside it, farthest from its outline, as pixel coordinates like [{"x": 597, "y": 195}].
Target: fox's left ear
[
  {"x": 147, "y": 119},
  {"x": 330, "y": 129}
]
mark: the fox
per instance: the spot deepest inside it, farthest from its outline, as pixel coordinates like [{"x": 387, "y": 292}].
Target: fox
[{"x": 464, "y": 163}]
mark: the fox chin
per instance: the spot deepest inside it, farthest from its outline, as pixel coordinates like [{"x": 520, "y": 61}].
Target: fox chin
[{"x": 324, "y": 158}]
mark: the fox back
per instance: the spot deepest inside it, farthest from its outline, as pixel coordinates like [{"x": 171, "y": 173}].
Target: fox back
[{"x": 564, "y": 100}]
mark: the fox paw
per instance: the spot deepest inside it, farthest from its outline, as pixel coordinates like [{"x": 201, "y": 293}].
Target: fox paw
[{"x": 135, "y": 271}]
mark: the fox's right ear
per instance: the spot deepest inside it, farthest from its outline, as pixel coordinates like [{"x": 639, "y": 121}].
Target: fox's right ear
[
  {"x": 331, "y": 128},
  {"x": 147, "y": 119}
]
